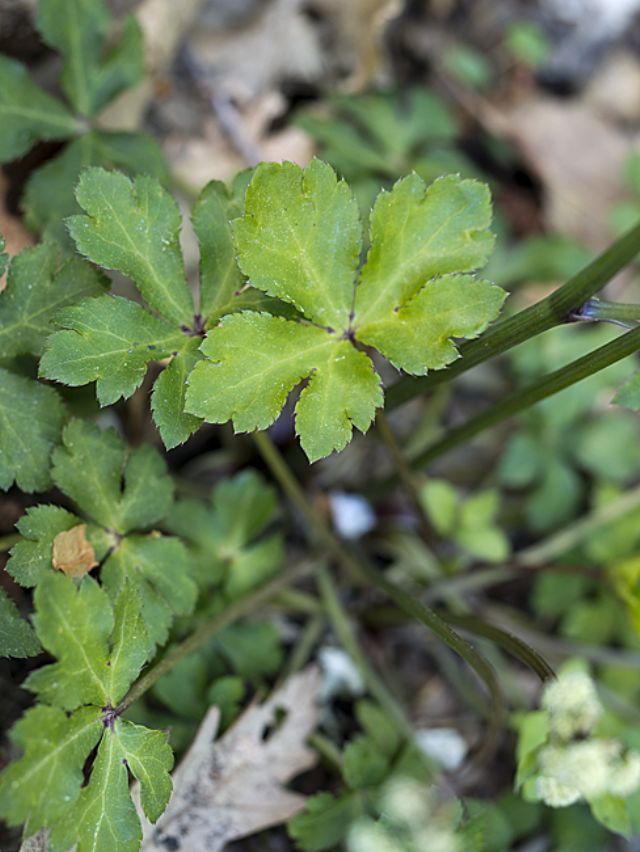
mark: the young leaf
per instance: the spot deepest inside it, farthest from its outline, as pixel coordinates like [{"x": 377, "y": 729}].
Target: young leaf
[
  {"x": 324, "y": 822},
  {"x": 121, "y": 233},
  {"x": 223, "y": 534},
  {"x": 17, "y": 638},
  {"x": 363, "y": 764},
  {"x": 78, "y": 30},
  {"x": 31, "y": 418},
  {"x": 41, "y": 281},
  {"x": 299, "y": 241},
  {"x": 28, "y": 114}
]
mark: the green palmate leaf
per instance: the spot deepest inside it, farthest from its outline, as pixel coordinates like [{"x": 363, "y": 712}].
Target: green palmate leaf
[
  {"x": 48, "y": 198},
  {"x": 78, "y": 30},
  {"x": 27, "y": 114},
  {"x": 381, "y": 134},
  {"x": 90, "y": 467},
  {"x": 103, "y": 817},
  {"x": 31, "y": 418},
  {"x": 36, "y": 789},
  {"x": 133, "y": 227},
  {"x": 159, "y": 568},
  {"x": 109, "y": 341},
  {"x": 41, "y": 281},
  {"x": 223, "y": 535},
  {"x": 250, "y": 352},
  {"x": 17, "y": 638},
  {"x": 100, "y": 648},
  {"x": 300, "y": 241}
]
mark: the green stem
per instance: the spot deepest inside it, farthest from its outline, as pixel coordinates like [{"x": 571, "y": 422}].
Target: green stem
[
  {"x": 317, "y": 528},
  {"x": 549, "y": 385},
  {"x": 404, "y": 472},
  {"x": 435, "y": 623},
  {"x": 304, "y": 646},
  {"x": 361, "y": 570},
  {"x": 327, "y": 749},
  {"x": 234, "y": 611},
  {"x": 346, "y": 635},
  {"x": 555, "y": 309}
]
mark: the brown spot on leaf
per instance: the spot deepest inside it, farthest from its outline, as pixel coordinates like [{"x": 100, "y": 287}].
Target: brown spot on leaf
[{"x": 72, "y": 553}]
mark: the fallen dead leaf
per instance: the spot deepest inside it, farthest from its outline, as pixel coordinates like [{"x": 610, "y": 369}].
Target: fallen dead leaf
[
  {"x": 233, "y": 787},
  {"x": 36, "y": 843},
  {"x": 72, "y": 553}
]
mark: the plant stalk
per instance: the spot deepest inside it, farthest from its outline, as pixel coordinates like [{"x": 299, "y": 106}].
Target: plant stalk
[
  {"x": 407, "y": 477},
  {"x": 545, "y": 387},
  {"x": 362, "y": 570}
]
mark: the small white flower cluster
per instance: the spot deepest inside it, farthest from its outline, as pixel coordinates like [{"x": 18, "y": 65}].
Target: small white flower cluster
[
  {"x": 580, "y": 770},
  {"x": 586, "y": 770},
  {"x": 412, "y": 820}
]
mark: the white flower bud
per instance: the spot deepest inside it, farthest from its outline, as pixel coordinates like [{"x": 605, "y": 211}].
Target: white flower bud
[{"x": 572, "y": 703}]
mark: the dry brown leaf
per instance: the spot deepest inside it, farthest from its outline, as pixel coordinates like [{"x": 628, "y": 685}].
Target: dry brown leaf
[
  {"x": 233, "y": 787},
  {"x": 579, "y": 157},
  {"x": 165, "y": 24},
  {"x": 72, "y": 553}
]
